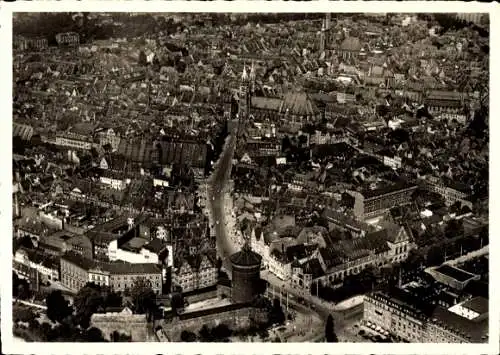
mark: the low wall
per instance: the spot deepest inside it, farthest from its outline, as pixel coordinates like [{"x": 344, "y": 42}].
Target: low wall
[{"x": 235, "y": 319}]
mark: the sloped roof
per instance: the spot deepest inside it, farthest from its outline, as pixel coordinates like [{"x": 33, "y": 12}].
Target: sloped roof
[
  {"x": 22, "y": 130},
  {"x": 83, "y": 128},
  {"x": 266, "y": 103},
  {"x": 298, "y": 103},
  {"x": 351, "y": 44},
  {"x": 313, "y": 267},
  {"x": 246, "y": 257}
]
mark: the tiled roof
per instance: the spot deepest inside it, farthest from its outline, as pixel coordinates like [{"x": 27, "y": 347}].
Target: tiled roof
[
  {"x": 22, "y": 130},
  {"x": 313, "y": 267},
  {"x": 101, "y": 236},
  {"x": 136, "y": 151},
  {"x": 156, "y": 245},
  {"x": 182, "y": 152},
  {"x": 127, "y": 268},
  {"x": 298, "y": 103},
  {"x": 41, "y": 258},
  {"x": 351, "y": 44},
  {"x": 266, "y": 103},
  {"x": 246, "y": 257}
]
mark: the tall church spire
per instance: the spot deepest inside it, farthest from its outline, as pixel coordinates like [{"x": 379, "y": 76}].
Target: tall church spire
[
  {"x": 244, "y": 75},
  {"x": 322, "y": 38},
  {"x": 252, "y": 72}
]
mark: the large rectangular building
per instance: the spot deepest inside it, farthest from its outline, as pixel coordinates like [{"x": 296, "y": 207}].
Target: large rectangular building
[
  {"x": 371, "y": 203},
  {"x": 77, "y": 271},
  {"x": 412, "y": 320}
]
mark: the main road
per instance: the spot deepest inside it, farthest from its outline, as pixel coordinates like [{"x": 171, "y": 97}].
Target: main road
[{"x": 217, "y": 185}]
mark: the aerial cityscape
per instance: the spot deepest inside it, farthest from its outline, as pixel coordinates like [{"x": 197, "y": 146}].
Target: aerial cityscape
[{"x": 264, "y": 177}]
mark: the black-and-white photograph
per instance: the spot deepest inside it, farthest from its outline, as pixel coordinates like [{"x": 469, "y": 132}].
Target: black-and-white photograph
[{"x": 250, "y": 177}]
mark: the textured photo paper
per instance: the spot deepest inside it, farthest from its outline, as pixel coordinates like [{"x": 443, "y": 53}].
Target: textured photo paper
[{"x": 267, "y": 179}]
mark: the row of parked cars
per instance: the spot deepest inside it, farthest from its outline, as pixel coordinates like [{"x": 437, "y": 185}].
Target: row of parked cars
[{"x": 376, "y": 338}]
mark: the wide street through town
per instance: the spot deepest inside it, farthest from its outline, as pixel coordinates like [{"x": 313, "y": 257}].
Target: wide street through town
[{"x": 217, "y": 183}]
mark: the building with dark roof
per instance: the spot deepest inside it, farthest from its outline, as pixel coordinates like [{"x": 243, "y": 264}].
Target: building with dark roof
[
  {"x": 194, "y": 272},
  {"x": 452, "y": 276},
  {"x": 347, "y": 257},
  {"x": 350, "y": 48},
  {"x": 304, "y": 273},
  {"x": 295, "y": 108},
  {"x": 189, "y": 152},
  {"x": 411, "y": 319},
  {"x": 77, "y": 271},
  {"x": 245, "y": 275},
  {"x": 371, "y": 203}
]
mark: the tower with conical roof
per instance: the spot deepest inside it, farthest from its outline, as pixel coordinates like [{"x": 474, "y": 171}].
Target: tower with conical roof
[{"x": 244, "y": 75}]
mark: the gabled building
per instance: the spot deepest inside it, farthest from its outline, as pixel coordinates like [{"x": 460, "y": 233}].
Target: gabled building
[{"x": 194, "y": 272}]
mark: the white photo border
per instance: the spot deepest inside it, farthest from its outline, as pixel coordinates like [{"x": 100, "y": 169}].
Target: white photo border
[{"x": 11, "y": 347}]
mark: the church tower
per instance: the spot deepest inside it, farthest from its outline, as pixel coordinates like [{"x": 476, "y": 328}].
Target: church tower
[
  {"x": 243, "y": 93},
  {"x": 246, "y": 91},
  {"x": 251, "y": 87},
  {"x": 322, "y": 38}
]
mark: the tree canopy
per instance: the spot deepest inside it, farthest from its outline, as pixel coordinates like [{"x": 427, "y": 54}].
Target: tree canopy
[
  {"x": 330, "y": 335},
  {"x": 144, "y": 297},
  {"x": 58, "y": 308},
  {"x": 87, "y": 302}
]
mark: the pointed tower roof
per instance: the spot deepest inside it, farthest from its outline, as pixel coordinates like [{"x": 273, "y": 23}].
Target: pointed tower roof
[
  {"x": 244, "y": 75},
  {"x": 252, "y": 72}
]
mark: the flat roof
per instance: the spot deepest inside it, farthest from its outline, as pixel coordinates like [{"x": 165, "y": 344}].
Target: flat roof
[
  {"x": 454, "y": 272},
  {"x": 477, "y": 304}
]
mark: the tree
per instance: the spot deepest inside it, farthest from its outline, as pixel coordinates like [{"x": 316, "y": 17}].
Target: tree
[
  {"x": 221, "y": 331},
  {"x": 15, "y": 284},
  {"x": 143, "y": 297},
  {"x": 188, "y": 337},
  {"x": 143, "y": 60},
  {"x": 276, "y": 314},
  {"x": 87, "y": 302},
  {"x": 93, "y": 335},
  {"x": 119, "y": 337},
  {"x": 454, "y": 228},
  {"x": 205, "y": 333},
  {"x": 112, "y": 299},
  {"x": 330, "y": 335},
  {"x": 57, "y": 307}
]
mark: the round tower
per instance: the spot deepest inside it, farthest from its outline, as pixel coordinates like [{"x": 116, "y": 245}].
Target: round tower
[{"x": 245, "y": 275}]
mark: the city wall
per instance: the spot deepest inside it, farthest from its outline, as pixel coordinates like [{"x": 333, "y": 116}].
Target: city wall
[
  {"x": 134, "y": 325},
  {"x": 235, "y": 319}
]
